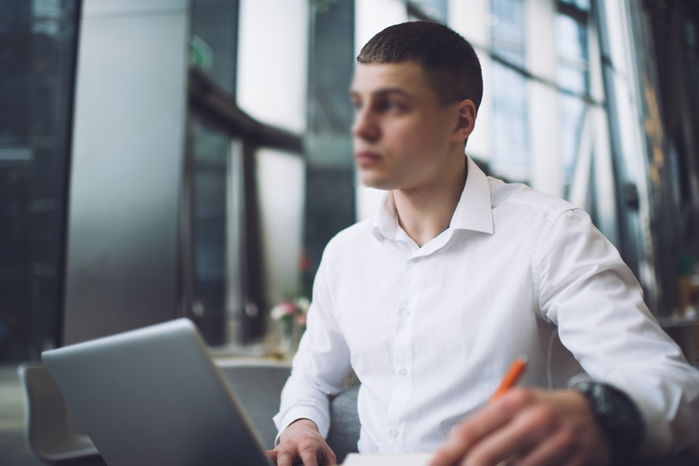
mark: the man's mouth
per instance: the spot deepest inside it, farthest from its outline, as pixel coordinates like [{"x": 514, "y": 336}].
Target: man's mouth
[{"x": 367, "y": 157}]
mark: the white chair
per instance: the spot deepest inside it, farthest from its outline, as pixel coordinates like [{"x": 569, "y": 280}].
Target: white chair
[{"x": 51, "y": 431}]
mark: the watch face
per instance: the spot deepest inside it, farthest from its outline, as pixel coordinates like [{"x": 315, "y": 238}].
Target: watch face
[{"x": 603, "y": 399}]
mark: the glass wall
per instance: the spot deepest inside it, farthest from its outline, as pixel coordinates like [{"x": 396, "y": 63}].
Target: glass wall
[
  {"x": 214, "y": 40},
  {"x": 571, "y": 107},
  {"x": 37, "y": 63},
  {"x": 268, "y": 174},
  {"x": 571, "y": 31},
  {"x": 216, "y": 207},
  {"x": 509, "y": 129},
  {"x": 244, "y": 172},
  {"x": 213, "y": 204}
]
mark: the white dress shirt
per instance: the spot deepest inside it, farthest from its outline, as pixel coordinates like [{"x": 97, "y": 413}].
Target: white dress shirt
[{"x": 430, "y": 331}]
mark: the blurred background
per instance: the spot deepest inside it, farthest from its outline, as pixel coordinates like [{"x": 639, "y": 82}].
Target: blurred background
[{"x": 167, "y": 158}]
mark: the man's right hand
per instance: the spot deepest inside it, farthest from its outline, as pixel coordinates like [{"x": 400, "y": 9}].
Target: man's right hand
[{"x": 301, "y": 441}]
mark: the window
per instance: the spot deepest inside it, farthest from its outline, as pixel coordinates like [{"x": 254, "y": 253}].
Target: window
[
  {"x": 510, "y": 153},
  {"x": 246, "y": 113},
  {"x": 572, "y": 76},
  {"x": 428, "y": 10},
  {"x": 36, "y": 94}
]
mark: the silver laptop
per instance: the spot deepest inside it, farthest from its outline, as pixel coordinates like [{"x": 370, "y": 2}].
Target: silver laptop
[{"x": 153, "y": 396}]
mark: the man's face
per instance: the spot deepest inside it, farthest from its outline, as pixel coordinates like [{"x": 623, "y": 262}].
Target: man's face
[{"x": 402, "y": 134}]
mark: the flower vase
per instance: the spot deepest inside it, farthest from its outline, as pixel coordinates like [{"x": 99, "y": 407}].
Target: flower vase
[{"x": 286, "y": 344}]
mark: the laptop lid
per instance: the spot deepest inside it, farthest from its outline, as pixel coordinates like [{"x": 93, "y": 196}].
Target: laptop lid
[{"x": 153, "y": 396}]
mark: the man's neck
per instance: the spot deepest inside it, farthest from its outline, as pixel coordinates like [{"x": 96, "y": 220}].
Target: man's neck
[{"x": 425, "y": 212}]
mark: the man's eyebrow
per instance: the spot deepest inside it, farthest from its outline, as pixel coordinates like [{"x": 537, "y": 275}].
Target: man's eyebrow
[{"x": 384, "y": 92}]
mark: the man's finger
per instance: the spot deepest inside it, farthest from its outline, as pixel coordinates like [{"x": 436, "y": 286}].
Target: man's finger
[
  {"x": 490, "y": 418},
  {"x": 330, "y": 457},
  {"x": 285, "y": 459},
  {"x": 557, "y": 449},
  {"x": 309, "y": 456},
  {"x": 272, "y": 455},
  {"x": 531, "y": 427}
]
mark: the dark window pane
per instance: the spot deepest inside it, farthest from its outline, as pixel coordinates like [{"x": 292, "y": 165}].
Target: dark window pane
[
  {"x": 581, "y": 4},
  {"x": 36, "y": 92},
  {"x": 214, "y": 37},
  {"x": 210, "y": 157}
]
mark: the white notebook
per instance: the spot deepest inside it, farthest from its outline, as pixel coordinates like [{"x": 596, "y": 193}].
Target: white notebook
[{"x": 413, "y": 459}]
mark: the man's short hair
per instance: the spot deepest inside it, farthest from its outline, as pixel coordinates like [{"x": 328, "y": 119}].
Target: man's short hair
[{"x": 449, "y": 60}]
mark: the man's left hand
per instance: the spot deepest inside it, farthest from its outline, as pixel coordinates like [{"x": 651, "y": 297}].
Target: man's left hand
[{"x": 528, "y": 427}]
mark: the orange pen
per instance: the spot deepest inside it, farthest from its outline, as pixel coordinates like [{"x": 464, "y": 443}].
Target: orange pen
[{"x": 510, "y": 380}]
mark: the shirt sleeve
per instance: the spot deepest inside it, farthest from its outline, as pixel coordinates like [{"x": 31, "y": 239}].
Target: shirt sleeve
[
  {"x": 585, "y": 288},
  {"x": 320, "y": 366}
]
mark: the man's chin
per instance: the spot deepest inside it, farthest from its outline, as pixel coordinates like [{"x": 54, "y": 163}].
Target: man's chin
[{"x": 376, "y": 183}]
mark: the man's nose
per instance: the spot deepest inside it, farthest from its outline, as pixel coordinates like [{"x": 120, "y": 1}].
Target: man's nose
[{"x": 365, "y": 125}]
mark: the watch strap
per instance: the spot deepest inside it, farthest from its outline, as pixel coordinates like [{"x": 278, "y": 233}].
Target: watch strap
[{"x": 618, "y": 417}]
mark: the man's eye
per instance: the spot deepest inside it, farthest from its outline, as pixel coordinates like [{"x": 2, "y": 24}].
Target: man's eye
[{"x": 390, "y": 106}]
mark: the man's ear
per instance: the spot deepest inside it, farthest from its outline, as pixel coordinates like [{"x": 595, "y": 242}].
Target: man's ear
[{"x": 466, "y": 119}]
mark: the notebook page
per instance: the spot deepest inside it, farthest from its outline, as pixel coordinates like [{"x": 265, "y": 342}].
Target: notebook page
[{"x": 413, "y": 459}]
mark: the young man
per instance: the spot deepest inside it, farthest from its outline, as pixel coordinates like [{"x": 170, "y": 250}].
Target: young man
[{"x": 456, "y": 276}]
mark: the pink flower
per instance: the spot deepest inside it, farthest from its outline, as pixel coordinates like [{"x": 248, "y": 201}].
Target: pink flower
[
  {"x": 292, "y": 309},
  {"x": 282, "y": 310}
]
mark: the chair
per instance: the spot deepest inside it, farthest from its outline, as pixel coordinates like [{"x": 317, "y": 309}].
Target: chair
[
  {"x": 258, "y": 385},
  {"x": 51, "y": 431},
  {"x": 344, "y": 423}
]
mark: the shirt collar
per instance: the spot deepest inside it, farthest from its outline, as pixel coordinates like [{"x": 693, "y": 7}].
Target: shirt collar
[{"x": 473, "y": 211}]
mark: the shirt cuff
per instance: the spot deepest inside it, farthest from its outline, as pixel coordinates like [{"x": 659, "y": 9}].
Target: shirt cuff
[{"x": 321, "y": 419}]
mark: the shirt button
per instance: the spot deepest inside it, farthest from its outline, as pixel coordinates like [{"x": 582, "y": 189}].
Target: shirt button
[
  {"x": 402, "y": 372},
  {"x": 393, "y": 433},
  {"x": 404, "y": 313}
]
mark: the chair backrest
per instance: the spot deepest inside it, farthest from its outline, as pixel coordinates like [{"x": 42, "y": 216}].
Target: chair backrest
[
  {"x": 52, "y": 433},
  {"x": 344, "y": 423},
  {"x": 258, "y": 386}
]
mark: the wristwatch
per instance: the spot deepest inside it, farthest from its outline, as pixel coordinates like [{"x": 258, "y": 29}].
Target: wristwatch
[{"x": 618, "y": 417}]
